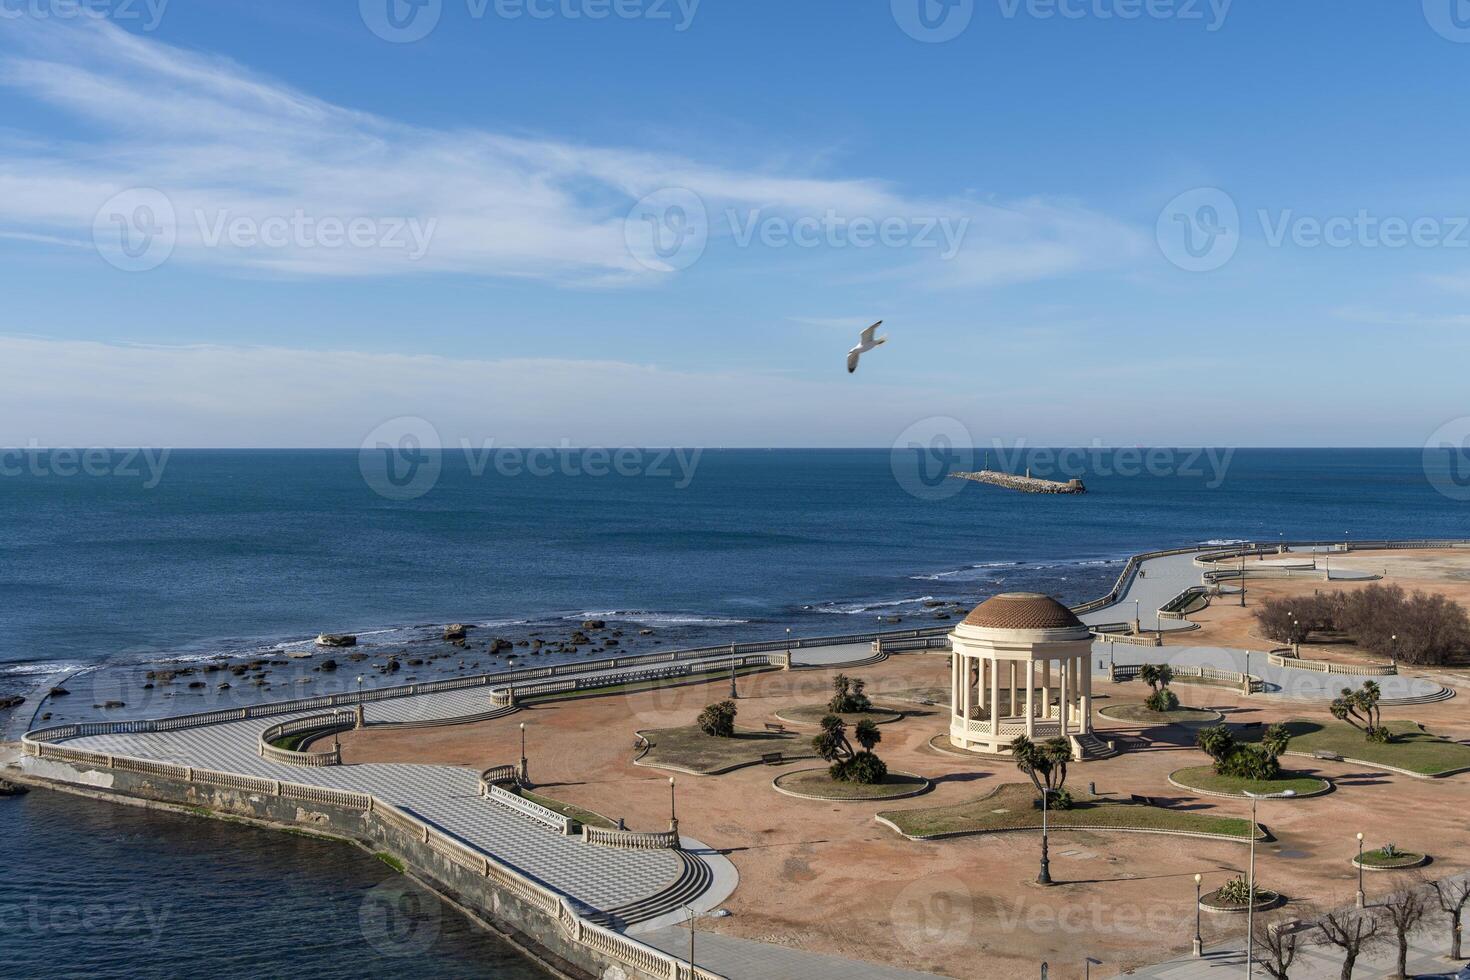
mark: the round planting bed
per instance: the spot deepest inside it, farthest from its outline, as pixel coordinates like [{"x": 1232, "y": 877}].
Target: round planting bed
[
  {"x": 1204, "y": 781},
  {"x": 1402, "y": 861},
  {"x": 1139, "y": 714},
  {"x": 812, "y": 714},
  {"x": 1212, "y": 902},
  {"x": 815, "y": 784}
]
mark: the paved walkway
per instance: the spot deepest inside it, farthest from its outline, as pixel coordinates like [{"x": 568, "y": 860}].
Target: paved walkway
[
  {"x": 749, "y": 959},
  {"x": 1168, "y": 576}
]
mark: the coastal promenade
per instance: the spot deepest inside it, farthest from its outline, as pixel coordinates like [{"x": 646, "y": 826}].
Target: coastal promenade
[
  {"x": 628, "y": 889},
  {"x": 1165, "y": 577},
  {"x": 641, "y": 892}
]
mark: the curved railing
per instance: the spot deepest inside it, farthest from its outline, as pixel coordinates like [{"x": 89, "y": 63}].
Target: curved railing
[
  {"x": 515, "y": 692},
  {"x": 1284, "y": 658},
  {"x": 1119, "y": 673},
  {"x": 631, "y": 839},
  {"x": 599, "y": 939},
  {"x": 324, "y": 724}
]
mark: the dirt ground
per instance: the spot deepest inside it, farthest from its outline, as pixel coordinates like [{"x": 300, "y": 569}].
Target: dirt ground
[
  {"x": 1225, "y": 624},
  {"x": 826, "y": 877}
]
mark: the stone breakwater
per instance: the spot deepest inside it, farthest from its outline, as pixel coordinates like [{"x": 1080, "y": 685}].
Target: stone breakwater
[{"x": 1025, "y": 484}]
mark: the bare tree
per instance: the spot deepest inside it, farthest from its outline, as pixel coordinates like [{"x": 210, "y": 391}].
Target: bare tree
[
  {"x": 1405, "y": 912},
  {"x": 1279, "y": 938},
  {"x": 1354, "y": 931},
  {"x": 1453, "y": 894}
]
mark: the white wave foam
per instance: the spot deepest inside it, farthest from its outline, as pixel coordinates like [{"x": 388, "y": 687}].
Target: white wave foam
[
  {"x": 666, "y": 619},
  {"x": 45, "y": 667},
  {"x": 854, "y": 609}
]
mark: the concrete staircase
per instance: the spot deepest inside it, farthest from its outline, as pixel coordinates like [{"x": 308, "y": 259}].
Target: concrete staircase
[{"x": 1089, "y": 747}]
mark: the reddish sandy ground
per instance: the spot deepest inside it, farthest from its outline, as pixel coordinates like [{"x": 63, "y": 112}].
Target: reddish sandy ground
[
  {"x": 827, "y": 877},
  {"x": 1225, "y": 624}
]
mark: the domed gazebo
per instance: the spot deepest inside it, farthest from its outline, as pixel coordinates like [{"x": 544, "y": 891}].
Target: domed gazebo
[{"x": 1020, "y": 667}]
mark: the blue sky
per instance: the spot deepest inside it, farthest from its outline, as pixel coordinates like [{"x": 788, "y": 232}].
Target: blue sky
[{"x": 1035, "y": 177}]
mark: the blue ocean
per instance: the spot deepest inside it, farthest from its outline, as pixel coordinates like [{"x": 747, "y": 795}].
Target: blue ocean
[
  {"x": 232, "y": 552},
  {"x": 114, "y": 569}
]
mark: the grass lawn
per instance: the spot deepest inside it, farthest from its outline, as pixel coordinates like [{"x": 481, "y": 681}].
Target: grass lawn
[
  {"x": 812, "y": 714},
  {"x": 1205, "y": 778},
  {"x": 689, "y": 748},
  {"x": 1401, "y": 859},
  {"x": 1140, "y": 714},
  {"x": 1412, "y": 748},
  {"x": 700, "y": 677},
  {"x": 568, "y": 810},
  {"x": 1011, "y": 807},
  {"x": 816, "y": 782}
]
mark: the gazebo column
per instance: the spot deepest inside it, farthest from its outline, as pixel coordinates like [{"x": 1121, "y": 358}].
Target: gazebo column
[
  {"x": 1013, "y": 709},
  {"x": 1030, "y": 699},
  {"x": 1046, "y": 689},
  {"x": 1063, "y": 713},
  {"x": 1084, "y": 723},
  {"x": 995, "y": 700}
]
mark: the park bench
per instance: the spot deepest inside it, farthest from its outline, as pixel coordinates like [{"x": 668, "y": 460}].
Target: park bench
[
  {"x": 1327, "y": 754},
  {"x": 772, "y": 759},
  {"x": 1145, "y": 800},
  {"x": 776, "y": 727}
]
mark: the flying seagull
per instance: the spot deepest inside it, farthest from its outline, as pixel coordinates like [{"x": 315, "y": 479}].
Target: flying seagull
[{"x": 866, "y": 342}]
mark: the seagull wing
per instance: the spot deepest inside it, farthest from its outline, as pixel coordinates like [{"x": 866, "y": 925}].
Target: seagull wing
[
  {"x": 852, "y": 359},
  {"x": 867, "y": 335}
]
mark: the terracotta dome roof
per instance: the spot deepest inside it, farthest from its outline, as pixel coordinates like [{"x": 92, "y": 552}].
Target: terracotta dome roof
[{"x": 1022, "y": 611}]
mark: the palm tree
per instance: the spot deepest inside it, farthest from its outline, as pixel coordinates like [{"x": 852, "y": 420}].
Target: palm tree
[
  {"x": 1360, "y": 709},
  {"x": 1045, "y": 764},
  {"x": 867, "y": 735}
]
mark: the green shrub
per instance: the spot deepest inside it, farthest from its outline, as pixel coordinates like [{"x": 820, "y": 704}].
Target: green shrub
[
  {"x": 1058, "y": 799},
  {"x": 1162, "y": 700},
  {"x": 1237, "y": 892},
  {"x": 864, "y": 767},
  {"x": 718, "y": 719},
  {"x": 848, "y": 697}
]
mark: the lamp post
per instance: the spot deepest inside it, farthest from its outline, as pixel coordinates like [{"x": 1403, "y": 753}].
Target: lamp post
[
  {"x": 692, "y": 916},
  {"x": 525, "y": 771},
  {"x": 360, "y": 719},
  {"x": 1250, "y": 888},
  {"x": 1394, "y": 652},
  {"x": 1137, "y": 626},
  {"x": 734, "y": 692},
  {"x": 673, "y": 817},
  {"x": 1044, "y": 878},
  {"x": 1199, "y": 940},
  {"x": 788, "y": 642},
  {"x": 1242, "y": 580},
  {"x": 1362, "y": 897},
  {"x": 1087, "y": 966}
]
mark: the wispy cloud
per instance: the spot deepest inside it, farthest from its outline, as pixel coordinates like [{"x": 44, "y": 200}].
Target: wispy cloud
[{"x": 222, "y": 143}]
